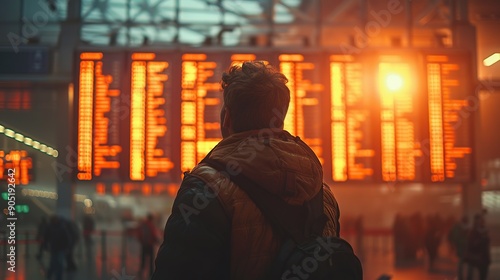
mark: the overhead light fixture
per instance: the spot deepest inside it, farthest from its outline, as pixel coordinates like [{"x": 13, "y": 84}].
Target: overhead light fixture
[
  {"x": 28, "y": 141},
  {"x": 492, "y": 59}
]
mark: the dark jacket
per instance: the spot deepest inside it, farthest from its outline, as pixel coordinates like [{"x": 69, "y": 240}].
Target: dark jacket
[
  {"x": 216, "y": 231},
  {"x": 478, "y": 247},
  {"x": 57, "y": 236}
]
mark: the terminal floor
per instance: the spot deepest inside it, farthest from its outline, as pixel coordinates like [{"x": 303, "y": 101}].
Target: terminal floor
[{"x": 116, "y": 266}]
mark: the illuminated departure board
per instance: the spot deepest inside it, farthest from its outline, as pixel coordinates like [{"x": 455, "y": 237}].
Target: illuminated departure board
[
  {"x": 304, "y": 113},
  {"x": 150, "y": 89},
  {"x": 352, "y": 145},
  {"x": 399, "y": 116},
  {"x": 450, "y": 126},
  {"x": 200, "y": 106},
  {"x": 202, "y": 100},
  {"x": 399, "y": 119},
  {"x": 122, "y": 130},
  {"x": 99, "y": 134},
  {"x": 18, "y": 160}
]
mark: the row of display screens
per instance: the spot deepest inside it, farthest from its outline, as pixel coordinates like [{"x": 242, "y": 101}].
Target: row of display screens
[{"x": 373, "y": 117}]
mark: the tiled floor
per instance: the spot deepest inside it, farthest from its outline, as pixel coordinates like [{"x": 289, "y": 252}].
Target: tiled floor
[{"x": 118, "y": 264}]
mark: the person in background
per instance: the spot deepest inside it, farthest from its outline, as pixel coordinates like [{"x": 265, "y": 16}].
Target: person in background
[
  {"x": 458, "y": 240},
  {"x": 432, "y": 239},
  {"x": 88, "y": 230},
  {"x": 74, "y": 234},
  {"x": 58, "y": 241},
  {"x": 42, "y": 227},
  {"x": 477, "y": 254},
  {"x": 148, "y": 237}
]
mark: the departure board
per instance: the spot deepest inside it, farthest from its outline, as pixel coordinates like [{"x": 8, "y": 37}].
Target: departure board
[
  {"x": 150, "y": 89},
  {"x": 399, "y": 118},
  {"x": 21, "y": 162},
  {"x": 352, "y": 145},
  {"x": 202, "y": 101},
  {"x": 374, "y": 117},
  {"x": 306, "y": 89},
  {"x": 98, "y": 142},
  {"x": 200, "y": 106},
  {"x": 450, "y": 125},
  {"x": 122, "y": 130}
]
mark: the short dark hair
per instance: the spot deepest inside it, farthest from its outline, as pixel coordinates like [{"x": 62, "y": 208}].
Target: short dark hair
[{"x": 256, "y": 95}]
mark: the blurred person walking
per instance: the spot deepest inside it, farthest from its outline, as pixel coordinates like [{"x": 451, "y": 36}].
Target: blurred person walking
[
  {"x": 458, "y": 239},
  {"x": 477, "y": 254},
  {"x": 215, "y": 230},
  {"x": 40, "y": 232},
  {"x": 74, "y": 234},
  {"x": 88, "y": 230},
  {"x": 148, "y": 237},
  {"x": 58, "y": 239},
  {"x": 432, "y": 239}
]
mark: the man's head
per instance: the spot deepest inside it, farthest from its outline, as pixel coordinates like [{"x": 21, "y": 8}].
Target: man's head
[{"x": 255, "y": 97}]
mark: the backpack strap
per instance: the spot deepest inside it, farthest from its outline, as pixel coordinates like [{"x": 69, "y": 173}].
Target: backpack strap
[{"x": 294, "y": 221}]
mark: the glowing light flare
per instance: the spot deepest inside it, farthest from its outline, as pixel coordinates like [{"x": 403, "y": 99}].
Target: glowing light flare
[
  {"x": 397, "y": 129},
  {"x": 394, "y": 82},
  {"x": 492, "y": 59}
]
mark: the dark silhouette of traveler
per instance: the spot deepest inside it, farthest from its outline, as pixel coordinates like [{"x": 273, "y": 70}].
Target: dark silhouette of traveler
[
  {"x": 416, "y": 224},
  {"x": 403, "y": 245},
  {"x": 74, "y": 234},
  {"x": 432, "y": 239},
  {"x": 477, "y": 254},
  {"x": 58, "y": 242},
  {"x": 40, "y": 232},
  {"x": 88, "y": 230},
  {"x": 148, "y": 237},
  {"x": 449, "y": 223},
  {"x": 458, "y": 239},
  {"x": 215, "y": 230}
]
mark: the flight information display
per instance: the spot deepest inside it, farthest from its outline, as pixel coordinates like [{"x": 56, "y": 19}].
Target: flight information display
[
  {"x": 304, "y": 112},
  {"x": 17, "y": 160},
  {"x": 202, "y": 101},
  {"x": 352, "y": 142},
  {"x": 370, "y": 118},
  {"x": 399, "y": 119},
  {"x": 450, "y": 102},
  {"x": 122, "y": 130}
]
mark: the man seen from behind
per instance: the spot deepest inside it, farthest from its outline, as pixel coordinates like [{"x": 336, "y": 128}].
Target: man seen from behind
[{"x": 215, "y": 230}]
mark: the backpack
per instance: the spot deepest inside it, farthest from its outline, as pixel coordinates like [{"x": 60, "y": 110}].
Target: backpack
[{"x": 305, "y": 252}]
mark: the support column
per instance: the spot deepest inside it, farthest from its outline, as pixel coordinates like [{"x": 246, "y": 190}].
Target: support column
[
  {"x": 464, "y": 37},
  {"x": 66, "y": 164}
]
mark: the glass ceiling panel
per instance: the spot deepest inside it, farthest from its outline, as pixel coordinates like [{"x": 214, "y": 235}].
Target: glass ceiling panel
[{"x": 129, "y": 22}]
